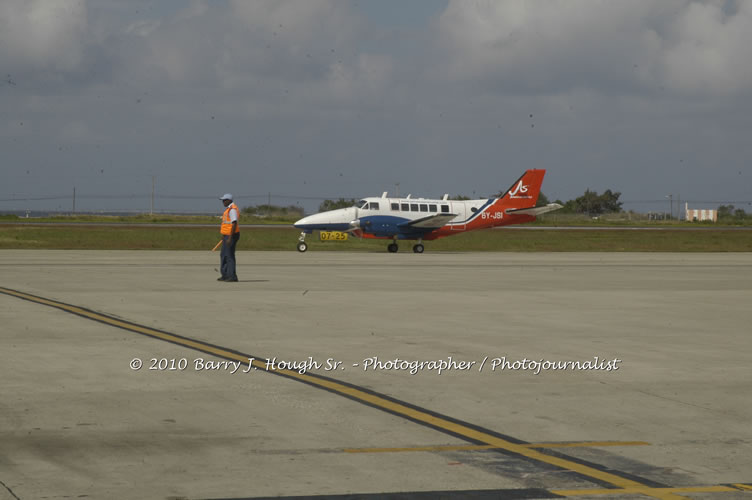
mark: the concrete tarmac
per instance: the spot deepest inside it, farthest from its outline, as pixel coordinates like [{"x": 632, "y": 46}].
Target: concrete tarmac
[{"x": 530, "y": 403}]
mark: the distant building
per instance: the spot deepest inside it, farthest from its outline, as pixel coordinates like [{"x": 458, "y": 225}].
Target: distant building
[{"x": 699, "y": 215}]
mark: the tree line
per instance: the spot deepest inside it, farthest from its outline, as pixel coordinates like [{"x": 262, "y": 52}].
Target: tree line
[
  {"x": 731, "y": 212},
  {"x": 591, "y": 203},
  {"x": 273, "y": 211}
]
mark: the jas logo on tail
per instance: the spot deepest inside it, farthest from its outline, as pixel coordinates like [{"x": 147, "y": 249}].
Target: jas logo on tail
[{"x": 518, "y": 189}]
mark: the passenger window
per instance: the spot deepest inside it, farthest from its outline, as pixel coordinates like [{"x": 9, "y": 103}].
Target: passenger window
[
  {"x": 444, "y": 209},
  {"x": 395, "y": 207},
  {"x": 374, "y": 205},
  {"x": 423, "y": 207},
  {"x": 432, "y": 208},
  {"x": 405, "y": 207},
  {"x": 413, "y": 207}
]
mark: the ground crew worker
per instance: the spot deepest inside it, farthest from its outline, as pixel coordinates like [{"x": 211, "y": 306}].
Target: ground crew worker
[{"x": 230, "y": 236}]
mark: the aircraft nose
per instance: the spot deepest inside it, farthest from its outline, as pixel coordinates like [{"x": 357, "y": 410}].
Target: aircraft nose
[
  {"x": 312, "y": 220},
  {"x": 335, "y": 220},
  {"x": 302, "y": 222}
]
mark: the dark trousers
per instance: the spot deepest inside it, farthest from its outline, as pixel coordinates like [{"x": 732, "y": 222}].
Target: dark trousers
[{"x": 227, "y": 256}]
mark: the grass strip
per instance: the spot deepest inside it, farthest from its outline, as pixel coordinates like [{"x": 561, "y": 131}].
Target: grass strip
[{"x": 285, "y": 238}]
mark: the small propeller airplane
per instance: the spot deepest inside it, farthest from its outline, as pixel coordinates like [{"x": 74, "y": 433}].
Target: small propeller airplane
[{"x": 424, "y": 219}]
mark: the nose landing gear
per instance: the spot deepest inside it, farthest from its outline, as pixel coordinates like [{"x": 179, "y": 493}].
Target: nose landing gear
[{"x": 302, "y": 245}]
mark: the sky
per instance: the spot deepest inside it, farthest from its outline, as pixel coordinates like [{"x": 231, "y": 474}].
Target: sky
[{"x": 296, "y": 101}]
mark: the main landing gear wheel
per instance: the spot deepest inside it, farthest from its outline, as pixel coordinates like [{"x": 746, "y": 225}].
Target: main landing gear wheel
[
  {"x": 392, "y": 247},
  {"x": 418, "y": 248}
]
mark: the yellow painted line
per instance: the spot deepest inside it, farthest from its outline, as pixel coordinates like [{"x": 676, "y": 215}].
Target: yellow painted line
[
  {"x": 646, "y": 491},
  {"x": 373, "y": 399},
  {"x": 467, "y": 447},
  {"x": 477, "y": 435},
  {"x": 588, "y": 444},
  {"x": 471, "y": 447},
  {"x": 743, "y": 487}
]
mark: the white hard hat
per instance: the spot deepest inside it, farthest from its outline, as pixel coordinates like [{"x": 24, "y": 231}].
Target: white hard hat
[{"x": 226, "y": 196}]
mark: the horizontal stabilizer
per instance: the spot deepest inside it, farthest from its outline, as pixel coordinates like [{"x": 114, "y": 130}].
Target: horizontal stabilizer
[
  {"x": 535, "y": 210},
  {"x": 430, "y": 222}
]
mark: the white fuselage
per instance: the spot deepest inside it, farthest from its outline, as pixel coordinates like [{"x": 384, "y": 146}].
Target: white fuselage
[{"x": 387, "y": 212}]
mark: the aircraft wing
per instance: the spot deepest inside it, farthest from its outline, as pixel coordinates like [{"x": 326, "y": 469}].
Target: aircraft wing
[
  {"x": 535, "y": 210},
  {"x": 430, "y": 222}
]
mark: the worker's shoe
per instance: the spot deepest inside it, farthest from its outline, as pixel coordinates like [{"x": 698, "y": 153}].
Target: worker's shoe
[
  {"x": 221, "y": 278},
  {"x": 231, "y": 279}
]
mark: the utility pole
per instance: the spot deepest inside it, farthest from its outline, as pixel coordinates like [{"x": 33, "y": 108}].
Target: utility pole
[
  {"x": 396, "y": 189},
  {"x": 269, "y": 200},
  {"x": 74, "y": 200},
  {"x": 153, "y": 182}
]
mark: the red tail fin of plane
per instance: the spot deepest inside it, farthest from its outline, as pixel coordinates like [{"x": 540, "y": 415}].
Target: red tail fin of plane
[
  {"x": 525, "y": 190},
  {"x": 523, "y": 194}
]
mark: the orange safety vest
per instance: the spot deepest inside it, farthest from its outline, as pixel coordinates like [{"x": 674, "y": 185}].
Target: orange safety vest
[{"x": 226, "y": 228}]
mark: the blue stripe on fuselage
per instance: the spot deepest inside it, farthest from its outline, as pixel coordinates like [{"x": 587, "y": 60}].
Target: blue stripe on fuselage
[
  {"x": 382, "y": 225},
  {"x": 390, "y": 225}
]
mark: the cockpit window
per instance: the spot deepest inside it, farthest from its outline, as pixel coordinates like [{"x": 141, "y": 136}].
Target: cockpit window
[
  {"x": 374, "y": 205},
  {"x": 362, "y": 204}
]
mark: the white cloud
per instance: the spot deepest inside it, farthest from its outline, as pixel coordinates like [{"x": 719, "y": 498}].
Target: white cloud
[
  {"x": 288, "y": 41},
  {"x": 40, "y": 35},
  {"x": 708, "y": 50},
  {"x": 538, "y": 47},
  {"x": 303, "y": 53}
]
